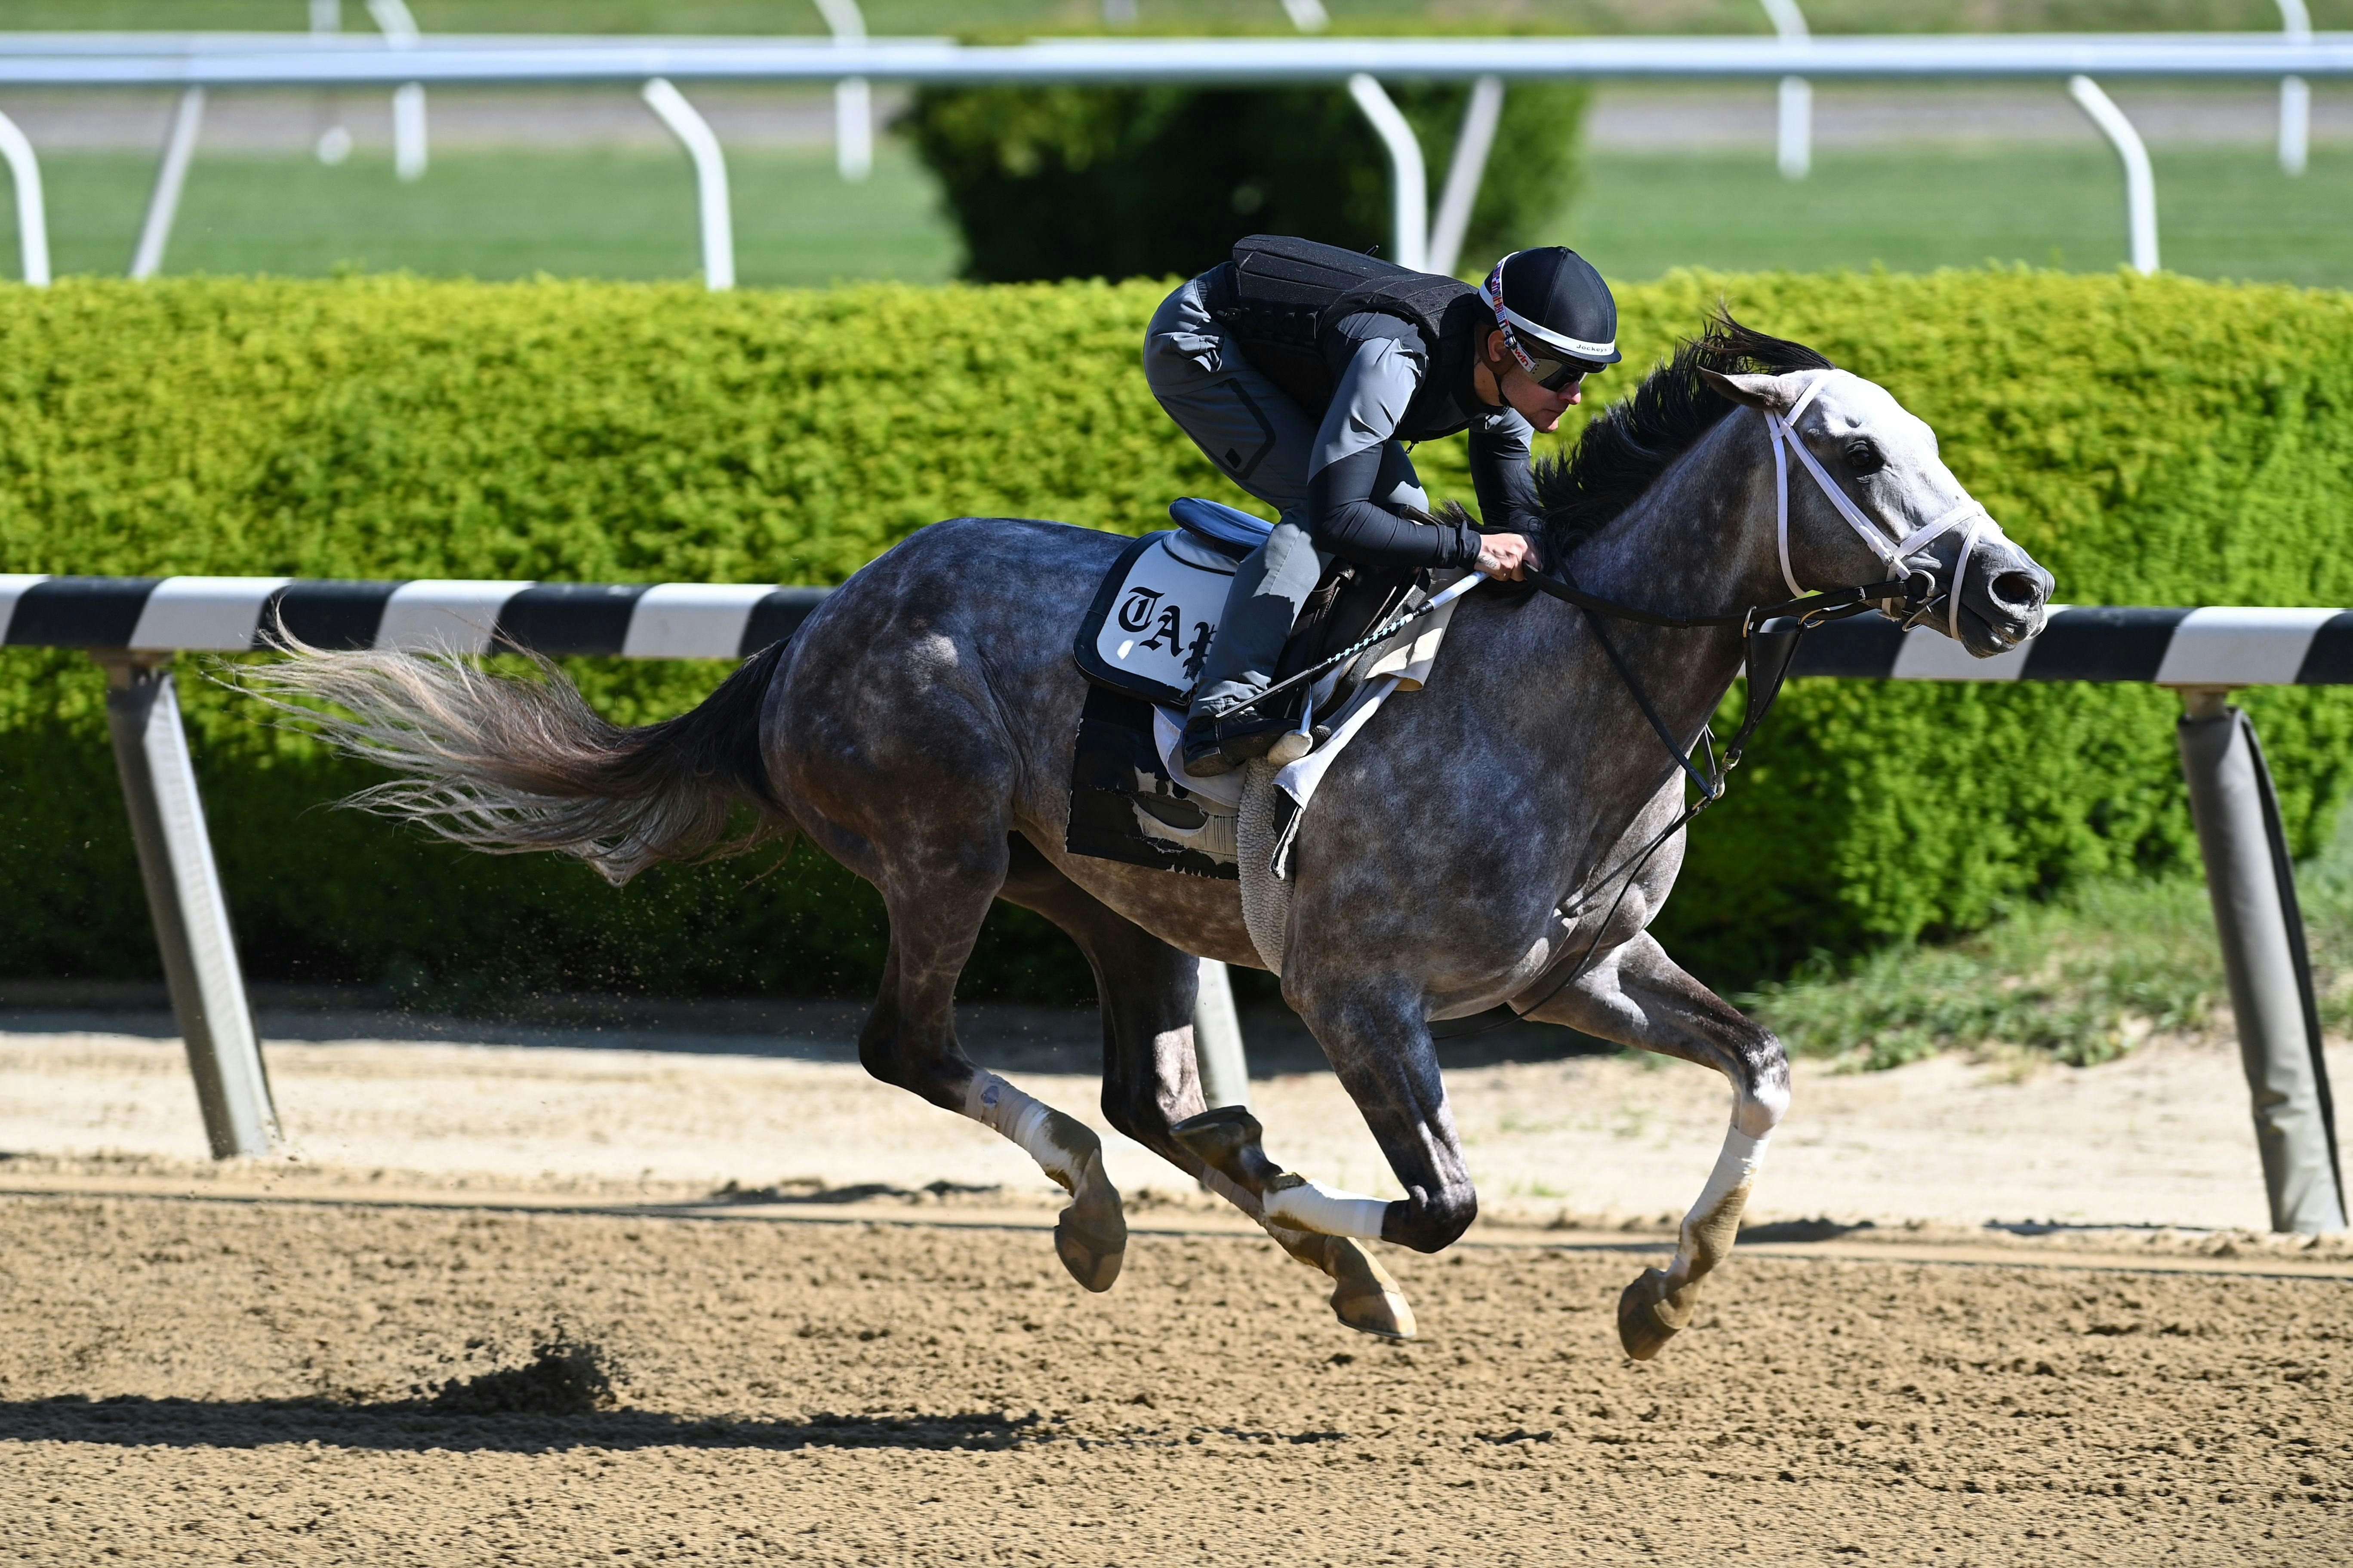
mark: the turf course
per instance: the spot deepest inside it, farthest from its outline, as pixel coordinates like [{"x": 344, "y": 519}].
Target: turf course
[
  {"x": 624, "y": 214},
  {"x": 491, "y": 214},
  {"x": 2221, "y": 214}
]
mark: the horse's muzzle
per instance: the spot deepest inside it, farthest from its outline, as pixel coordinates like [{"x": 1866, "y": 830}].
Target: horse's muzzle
[{"x": 2005, "y": 597}]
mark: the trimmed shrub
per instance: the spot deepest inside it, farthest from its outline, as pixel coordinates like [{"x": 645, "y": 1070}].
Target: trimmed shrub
[
  {"x": 2153, "y": 441},
  {"x": 1067, "y": 182}
]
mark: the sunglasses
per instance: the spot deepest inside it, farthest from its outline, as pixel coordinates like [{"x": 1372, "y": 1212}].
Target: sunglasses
[
  {"x": 1559, "y": 375},
  {"x": 1552, "y": 374}
]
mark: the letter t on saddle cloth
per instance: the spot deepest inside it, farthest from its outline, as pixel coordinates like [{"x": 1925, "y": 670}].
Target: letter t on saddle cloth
[{"x": 1143, "y": 644}]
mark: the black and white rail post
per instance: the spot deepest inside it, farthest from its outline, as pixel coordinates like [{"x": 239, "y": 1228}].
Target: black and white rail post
[
  {"x": 2253, "y": 884},
  {"x": 190, "y": 911},
  {"x": 2204, "y": 655}
]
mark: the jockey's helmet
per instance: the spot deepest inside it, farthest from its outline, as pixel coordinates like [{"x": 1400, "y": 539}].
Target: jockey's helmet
[{"x": 1558, "y": 318}]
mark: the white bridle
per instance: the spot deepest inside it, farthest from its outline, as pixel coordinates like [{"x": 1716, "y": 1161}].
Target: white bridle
[{"x": 1783, "y": 429}]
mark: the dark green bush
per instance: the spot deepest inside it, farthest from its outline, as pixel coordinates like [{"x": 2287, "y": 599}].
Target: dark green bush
[
  {"x": 2153, "y": 441},
  {"x": 1066, "y": 182}
]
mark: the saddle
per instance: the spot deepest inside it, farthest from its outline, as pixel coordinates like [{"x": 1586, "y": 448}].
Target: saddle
[
  {"x": 1142, "y": 646},
  {"x": 1154, "y": 618}
]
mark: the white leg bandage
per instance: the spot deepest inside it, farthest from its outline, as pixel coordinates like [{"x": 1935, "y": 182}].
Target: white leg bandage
[
  {"x": 996, "y": 1104},
  {"x": 1735, "y": 1168},
  {"x": 1309, "y": 1207}
]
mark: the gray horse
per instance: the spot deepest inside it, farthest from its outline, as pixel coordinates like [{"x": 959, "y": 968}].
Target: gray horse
[{"x": 1460, "y": 855}]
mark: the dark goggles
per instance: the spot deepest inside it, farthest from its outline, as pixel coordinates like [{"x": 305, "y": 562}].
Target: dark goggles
[
  {"x": 1552, "y": 374},
  {"x": 1559, "y": 375}
]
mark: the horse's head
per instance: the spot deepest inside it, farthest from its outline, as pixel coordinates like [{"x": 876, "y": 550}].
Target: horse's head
[{"x": 1876, "y": 502}]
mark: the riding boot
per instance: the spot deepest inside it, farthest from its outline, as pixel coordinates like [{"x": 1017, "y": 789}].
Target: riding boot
[{"x": 1213, "y": 743}]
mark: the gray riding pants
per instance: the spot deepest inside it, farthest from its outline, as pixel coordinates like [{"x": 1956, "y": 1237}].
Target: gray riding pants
[{"x": 1264, "y": 442}]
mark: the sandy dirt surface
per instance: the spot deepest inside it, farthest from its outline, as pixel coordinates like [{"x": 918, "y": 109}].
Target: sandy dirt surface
[
  {"x": 562, "y": 1296},
  {"x": 2160, "y": 1138},
  {"x": 215, "y": 1382}
]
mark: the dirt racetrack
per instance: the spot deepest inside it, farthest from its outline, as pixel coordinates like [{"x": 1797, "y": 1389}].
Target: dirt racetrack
[{"x": 303, "y": 1382}]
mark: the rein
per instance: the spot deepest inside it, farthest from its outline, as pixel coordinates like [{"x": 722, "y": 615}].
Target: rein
[{"x": 1773, "y": 633}]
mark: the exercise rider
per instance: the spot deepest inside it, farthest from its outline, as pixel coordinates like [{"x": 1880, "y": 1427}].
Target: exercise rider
[{"x": 1304, "y": 371}]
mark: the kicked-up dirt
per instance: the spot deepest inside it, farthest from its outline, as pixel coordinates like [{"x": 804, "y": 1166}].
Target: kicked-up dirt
[{"x": 346, "y": 1383}]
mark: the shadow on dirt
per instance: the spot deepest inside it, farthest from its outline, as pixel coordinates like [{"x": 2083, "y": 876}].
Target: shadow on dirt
[
  {"x": 561, "y": 1398},
  {"x": 1784, "y": 1231},
  {"x": 418, "y": 1426}
]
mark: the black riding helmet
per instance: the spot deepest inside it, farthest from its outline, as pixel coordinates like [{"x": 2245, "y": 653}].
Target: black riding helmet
[{"x": 1558, "y": 318}]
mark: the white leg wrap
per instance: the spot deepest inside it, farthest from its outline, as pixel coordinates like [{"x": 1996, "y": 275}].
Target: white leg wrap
[
  {"x": 1735, "y": 1167},
  {"x": 1308, "y": 1206},
  {"x": 996, "y": 1104}
]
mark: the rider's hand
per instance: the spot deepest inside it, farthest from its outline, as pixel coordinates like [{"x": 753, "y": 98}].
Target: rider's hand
[{"x": 1505, "y": 556}]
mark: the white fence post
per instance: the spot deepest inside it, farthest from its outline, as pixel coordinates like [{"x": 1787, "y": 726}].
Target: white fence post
[
  {"x": 399, "y": 30},
  {"x": 191, "y": 915},
  {"x": 710, "y": 179},
  {"x": 2295, "y": 98},
  {"x": 1409, "y": 178},
  {"x": 853, "y": 101},
  {"x": 170, "y": 175},
  {"x": 1307, "y": 15},
  {"x": 32, "y": 212},
  {"x": 1465, "y": 171},
  {"x": 1794, "y": 149},
  {"x": 1217, "y": 1039},
  {"x": 2140, "y": 181}
]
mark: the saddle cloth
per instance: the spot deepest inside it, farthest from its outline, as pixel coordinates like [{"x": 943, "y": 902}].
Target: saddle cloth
[{"x": 1154, "y": 617}]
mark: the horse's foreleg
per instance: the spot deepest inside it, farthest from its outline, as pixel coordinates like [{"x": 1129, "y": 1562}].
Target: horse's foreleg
[
  {"x": 1225, "y": 1144},
  {"x": 1377, "y": 1039},
  {"x": 1640, "y": 997},
  {"x": 1152, "y": 1078}
]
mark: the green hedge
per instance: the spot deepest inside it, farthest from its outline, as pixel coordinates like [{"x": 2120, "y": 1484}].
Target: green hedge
[{"x": 2153, "y": 441}]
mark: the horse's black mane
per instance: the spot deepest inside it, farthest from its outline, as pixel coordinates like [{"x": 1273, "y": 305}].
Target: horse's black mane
[{"x": 1623, "y": 452}]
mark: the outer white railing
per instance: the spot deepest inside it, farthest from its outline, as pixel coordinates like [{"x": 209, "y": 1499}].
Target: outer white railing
[{"x": 263, "y": 59}]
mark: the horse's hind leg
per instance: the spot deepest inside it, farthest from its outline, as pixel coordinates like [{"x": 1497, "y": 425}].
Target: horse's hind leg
[
  {"x": 910, "y": 1040},
  {"x": 1151, "y": 1081},
  {"x": 1640, "y": 997}
]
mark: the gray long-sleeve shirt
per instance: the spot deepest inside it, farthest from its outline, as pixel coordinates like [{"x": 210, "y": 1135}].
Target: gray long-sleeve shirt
[{"x": 1382, "y": 365}]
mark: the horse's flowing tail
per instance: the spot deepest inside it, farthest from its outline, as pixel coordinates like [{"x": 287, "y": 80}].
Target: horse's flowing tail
[{"x": 512, "y": 765}]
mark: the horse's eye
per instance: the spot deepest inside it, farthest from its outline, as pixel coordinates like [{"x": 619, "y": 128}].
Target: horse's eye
[{"x": 1863, "y": 456}]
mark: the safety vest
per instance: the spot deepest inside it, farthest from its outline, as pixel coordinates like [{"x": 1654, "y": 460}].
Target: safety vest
[{"x": 1282, "y": 299}]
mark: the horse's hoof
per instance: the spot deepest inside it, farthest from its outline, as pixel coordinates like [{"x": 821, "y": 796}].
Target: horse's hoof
[
  {"x": 1364, "y": 1296},
  {"x": 1092, "y": 1255},
  {"x": 1648, "y": 1316},
  {"x": 1383, "y": 1314}
]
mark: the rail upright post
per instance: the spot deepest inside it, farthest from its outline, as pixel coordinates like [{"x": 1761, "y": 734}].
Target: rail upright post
[
  {"x": 183, "y": 894},
  {"x": 1217, "y": 1039},
  {"x": 2253, "y": 884}
]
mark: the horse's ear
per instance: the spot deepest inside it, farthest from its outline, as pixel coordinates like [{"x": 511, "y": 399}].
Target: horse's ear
[{"x": 1771, "y": 393}]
